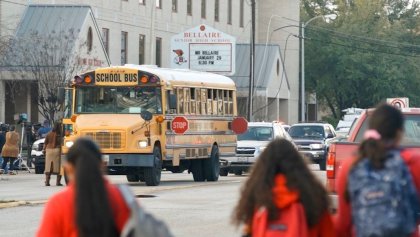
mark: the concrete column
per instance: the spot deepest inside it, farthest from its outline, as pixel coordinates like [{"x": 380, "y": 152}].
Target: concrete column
[
  {"x": 2, "y": 101},
  {"x": 28, "y": 100}
]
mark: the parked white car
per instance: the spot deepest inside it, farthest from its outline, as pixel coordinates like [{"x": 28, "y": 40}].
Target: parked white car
[
  {"x": 250, "y": 144},
  {"x": 37, "y": 156}
]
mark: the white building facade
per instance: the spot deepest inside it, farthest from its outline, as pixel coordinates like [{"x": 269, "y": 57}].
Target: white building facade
[{"x": 131, "y": 36}]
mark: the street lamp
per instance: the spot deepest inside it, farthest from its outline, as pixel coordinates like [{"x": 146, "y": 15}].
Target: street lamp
[{"x": 302, "y": 74}]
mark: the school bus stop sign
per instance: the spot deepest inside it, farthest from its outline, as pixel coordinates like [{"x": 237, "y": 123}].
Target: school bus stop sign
[
  {"x": 239, "y": 125},
  {"x": 179, "y": 125}
]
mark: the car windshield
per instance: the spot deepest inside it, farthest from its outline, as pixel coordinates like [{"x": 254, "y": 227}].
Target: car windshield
[
  {"x": 307, "y": 132},
  {"x": 118, "y": 100},
  {"x": 257, "y": 134},
  {"x": 411, "y": 130}
]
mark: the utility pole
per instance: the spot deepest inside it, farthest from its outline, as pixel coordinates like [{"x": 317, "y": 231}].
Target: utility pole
[{"x": 251, "y": 61}]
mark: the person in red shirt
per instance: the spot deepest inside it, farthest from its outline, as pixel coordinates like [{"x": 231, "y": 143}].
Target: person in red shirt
[
  {"x": 282, "y": 197},
  {"x": 90, "y": 205},
  {"x": 385, "y": 133}
]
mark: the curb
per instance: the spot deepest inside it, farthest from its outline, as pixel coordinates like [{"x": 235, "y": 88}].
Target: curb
[{"x": 20, "y": 203}]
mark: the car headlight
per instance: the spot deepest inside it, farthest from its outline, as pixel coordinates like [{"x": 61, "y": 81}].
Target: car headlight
[
  {"x": 259, "y": 150},
  {"x": 69, "y": 144},
  {"x": 143, "y": 144},
  {"x": 316, "y": 146}
]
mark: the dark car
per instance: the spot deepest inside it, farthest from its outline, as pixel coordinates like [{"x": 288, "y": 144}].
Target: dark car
[{"x": 312, "y": 140}]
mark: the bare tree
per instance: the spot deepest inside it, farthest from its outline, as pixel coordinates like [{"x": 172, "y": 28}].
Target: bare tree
[{"x": 51, "y": 60}]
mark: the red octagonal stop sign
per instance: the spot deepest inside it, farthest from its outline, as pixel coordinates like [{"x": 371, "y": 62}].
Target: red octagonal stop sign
[
  {"x": 179, "y": 125},
  {"x": 239, "y": 125}
]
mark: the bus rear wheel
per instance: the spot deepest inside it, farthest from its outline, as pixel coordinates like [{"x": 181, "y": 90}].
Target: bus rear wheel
[
  {"x": 153, "y": 174},
  {"x": 212, "y": 165},
  {"x": 197, "y": 170},
  {"x": 132, "y": 178}
]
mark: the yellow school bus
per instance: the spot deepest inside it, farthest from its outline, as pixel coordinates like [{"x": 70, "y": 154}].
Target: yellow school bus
[{"x": 137, "y": 115}]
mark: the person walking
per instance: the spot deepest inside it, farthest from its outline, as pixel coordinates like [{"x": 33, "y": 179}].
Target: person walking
[
  {"x": 378, "y": 189},
  {"x": 282, "y": 197},
  {"x": 44, "y": 129},
  {"x": 10, "y": 149},
  {"x": 52, "y": 151},
  {"x": 90, "y": 205},
  {"x": 2, "y": 141}
]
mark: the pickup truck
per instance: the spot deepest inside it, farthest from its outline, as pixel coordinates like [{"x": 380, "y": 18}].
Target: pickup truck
[{"x": 340, "y": 150}]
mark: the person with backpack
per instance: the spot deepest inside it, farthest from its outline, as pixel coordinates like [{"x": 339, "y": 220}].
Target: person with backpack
[
  {"x": 282, "y": 197},
  {"x": 378, "y": 190},
  {"x": 90, "y": 205}
]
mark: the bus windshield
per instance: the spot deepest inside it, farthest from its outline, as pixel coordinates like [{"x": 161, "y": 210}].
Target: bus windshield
[{"x": 118, "y": 100}]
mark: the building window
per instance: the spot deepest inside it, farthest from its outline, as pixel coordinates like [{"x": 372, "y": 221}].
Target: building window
[
  {"x": 241, "y": 13},
  {"x": 203, "y": 9},
  {"x": 105, "y": 39},
  {"x": 142, "y": 43},
  {"x": 216, "y": 10},
  {"x": 159, "y": 4},
  {"x": 159, "y": 51},
  {"x": 174, "y": 5},
  {"x": 123, "y": 47},
  {"x": 189, "y": 7},
  {"x": 229, "y": 8},
  {"x": 142, "y": 2}
]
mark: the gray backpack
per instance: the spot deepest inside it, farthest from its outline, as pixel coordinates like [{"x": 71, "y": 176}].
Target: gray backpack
[{"x": 141, "y": 223}]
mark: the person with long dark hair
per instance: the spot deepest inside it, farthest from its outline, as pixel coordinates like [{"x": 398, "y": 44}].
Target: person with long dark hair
[
  {"x": 52, "y": 151},
  {"x": 282, "y": 196},
  {"x": 90, "y": 206},
  {"x": 367, "y": 181}
]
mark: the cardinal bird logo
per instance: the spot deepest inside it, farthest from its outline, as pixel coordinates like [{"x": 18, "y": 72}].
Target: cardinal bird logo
[{"x": 179, "y": 59}]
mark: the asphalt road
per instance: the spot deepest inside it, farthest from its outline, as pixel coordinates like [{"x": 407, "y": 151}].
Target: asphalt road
[{"x": 189, "y": 208}]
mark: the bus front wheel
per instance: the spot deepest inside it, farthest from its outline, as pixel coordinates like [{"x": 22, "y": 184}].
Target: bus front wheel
[
  {"x": 212, "y": 165},
  {"x": 197, "y": 170},
  {"x": 153, "y": 174}
]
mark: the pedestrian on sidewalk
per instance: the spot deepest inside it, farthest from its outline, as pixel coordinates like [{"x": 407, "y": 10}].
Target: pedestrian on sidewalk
[
  {"x": 2, "y": 141},
  {"x": 52, "y": 151},
  {"x": 282, "y": 197},
  {"x": 378, "y": 189},
  {"x": 10, "y": 149},
  {"x": 90, "y": 205}
]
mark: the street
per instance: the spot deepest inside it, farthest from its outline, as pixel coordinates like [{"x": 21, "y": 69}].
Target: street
[{"x": 187, "y": 207}]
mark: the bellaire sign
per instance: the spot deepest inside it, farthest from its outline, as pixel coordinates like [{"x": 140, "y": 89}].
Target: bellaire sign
[{"x": 204, "y": 48}]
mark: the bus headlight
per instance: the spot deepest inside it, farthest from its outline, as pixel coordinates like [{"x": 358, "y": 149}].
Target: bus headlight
[
  {"x": 69, "y": 144},
  {"x": 143, "y": 144}
]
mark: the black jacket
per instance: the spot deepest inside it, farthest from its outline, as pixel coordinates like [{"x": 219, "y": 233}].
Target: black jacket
[{"x": 2, "y": 140}]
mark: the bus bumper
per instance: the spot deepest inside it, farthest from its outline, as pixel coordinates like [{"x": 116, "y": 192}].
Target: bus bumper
[{"x": 121, "y": 164}]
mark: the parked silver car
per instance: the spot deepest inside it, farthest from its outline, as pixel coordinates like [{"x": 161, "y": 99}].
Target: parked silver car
[{"x": 250, "y": 144}]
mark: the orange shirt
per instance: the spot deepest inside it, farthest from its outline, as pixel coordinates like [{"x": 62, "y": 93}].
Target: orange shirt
[{"x": 59, "y": 214}]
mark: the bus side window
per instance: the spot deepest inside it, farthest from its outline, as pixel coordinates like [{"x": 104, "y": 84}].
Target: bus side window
[
  {"x": 220, "y": 102},
  {"x": 198, "y": 100},
  {"x": 231, "y": 102},
  {"x": 192, "y": 101},
  {"x": 209, "y": 101},
  {"x": 187, "y": 100},
  {"x": 226, "y": 101},
  {"x": 180, "y": 97},
  {"x": 203, "y": 101},
  {"x": 214, "y": 102}
]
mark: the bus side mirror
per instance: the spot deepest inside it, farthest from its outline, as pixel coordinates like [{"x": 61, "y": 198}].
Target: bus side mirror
[
  {"x": 61, "y": 95},
  {"x": 172, "y": 101}
]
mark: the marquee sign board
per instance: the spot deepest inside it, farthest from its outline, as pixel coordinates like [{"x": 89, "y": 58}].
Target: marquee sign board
[{"x": 204, "y": 48}]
